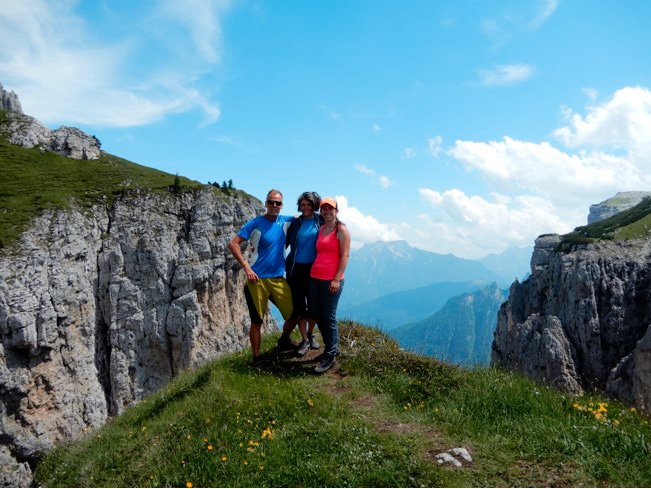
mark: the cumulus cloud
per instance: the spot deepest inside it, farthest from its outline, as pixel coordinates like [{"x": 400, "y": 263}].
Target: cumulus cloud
[
  {"x": 477, "y": 226},
  {"x": 364, "y": 228},
  {"x": 68, "y": 71},
  {"x": 506, "y": 74},
  {"x": 382, "y": 180},
  {"x": 621, "y": 123},
  {"x": 544, "y": 170},
  {"x": 538, "y": 187}
]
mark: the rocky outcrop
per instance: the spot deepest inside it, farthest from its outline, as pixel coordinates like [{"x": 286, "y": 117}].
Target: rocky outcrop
[
  {"x": 9, "y": 100},
  {"x": 620, "y": 202},
  {"x": 28, "y": 132},
  {"x": 101, "y": 307},
  {"x": 581, "y": 320}
]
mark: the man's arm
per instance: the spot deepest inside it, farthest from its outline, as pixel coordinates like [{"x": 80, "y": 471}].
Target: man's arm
[{"x": 234, "y": 245}]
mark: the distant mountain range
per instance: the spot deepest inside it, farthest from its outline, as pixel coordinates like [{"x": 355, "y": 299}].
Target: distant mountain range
[
  {"x": 381, "y": 268},
  {"x": 406, "y": 306},
  {"x": 461, "y": 332},
  {"x": 390, "y": 284}
]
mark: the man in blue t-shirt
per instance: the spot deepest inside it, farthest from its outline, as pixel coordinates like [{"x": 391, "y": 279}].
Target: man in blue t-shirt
[{"x": 264, "y": 272}]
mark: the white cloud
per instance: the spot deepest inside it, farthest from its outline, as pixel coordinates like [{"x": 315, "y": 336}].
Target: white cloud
[
  {"x": 198, "y": 19},
  {"x": 434, "y": 145},
  {"x": 64, "y": 70},
  {"x": 547, "y": 8},
  {"x": 537, "y": 187},
  {"x": 502, "y": 29},
  {"x": 408, "y": 153},
  {"x": 364, "y": 228},
  {"x": 544, "y": 170},
  {"x": 376, "y": 128},
  {"x": 621, "y": 123},
  {"x": 506, "y": 74},
  {"x": 475, "y": 226},
  {"x": 382, "y": 180}
]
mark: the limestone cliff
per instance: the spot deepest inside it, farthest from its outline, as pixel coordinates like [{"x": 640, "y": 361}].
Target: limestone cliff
[
  {"x": 101, "y": 307},
  {"x": 581, "y": 320}
]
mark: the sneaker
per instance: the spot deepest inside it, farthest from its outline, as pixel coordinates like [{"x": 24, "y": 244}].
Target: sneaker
[
  {"x": 286, "y": 344},
  {"x": 303, "y": 348},
  {"x": 326, "y": 364},
  {"x": 314, "y": 344}
]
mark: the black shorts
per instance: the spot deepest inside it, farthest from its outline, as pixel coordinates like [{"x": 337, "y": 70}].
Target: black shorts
[{"x": 298, "y": 282}]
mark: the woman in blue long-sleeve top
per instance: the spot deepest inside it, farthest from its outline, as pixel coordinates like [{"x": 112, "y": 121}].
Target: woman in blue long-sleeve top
[{"x": 301, "y": 240}]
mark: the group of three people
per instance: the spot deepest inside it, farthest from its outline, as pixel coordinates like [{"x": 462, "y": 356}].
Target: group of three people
[{"x": 319, "y": 247}]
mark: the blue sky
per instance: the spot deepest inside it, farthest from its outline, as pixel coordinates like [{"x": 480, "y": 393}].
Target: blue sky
[{"x": 460, "y": 126}]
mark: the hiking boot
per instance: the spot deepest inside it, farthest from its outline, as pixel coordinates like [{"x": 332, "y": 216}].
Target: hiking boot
[
  {"x": 259, "y": 361},
  {"x": 323, "y": 355},
  {"x": 303, "y": 348},
  {"x": 326, "y": 364},
  {"x": 314, "y": 344},
  {"x": 286, "y": 344}
]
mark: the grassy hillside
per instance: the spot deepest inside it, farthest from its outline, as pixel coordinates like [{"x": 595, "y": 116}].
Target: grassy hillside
[
  {"x": 31, "y": 181},
  {"x": 629, "y": 224},
  {"x": 379, "y": 421}
]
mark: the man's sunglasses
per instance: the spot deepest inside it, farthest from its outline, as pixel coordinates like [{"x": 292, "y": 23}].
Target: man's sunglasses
[{"x": 275, "y": 203}]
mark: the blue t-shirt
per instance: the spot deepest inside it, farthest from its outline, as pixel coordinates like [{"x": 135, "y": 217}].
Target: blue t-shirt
[
  {"x": 267, "y": 241},
  {"x": 306, "y": 241}
]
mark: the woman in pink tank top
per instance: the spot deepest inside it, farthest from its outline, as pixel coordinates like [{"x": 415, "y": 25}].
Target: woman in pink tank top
[{"x": 327, "y": 279}]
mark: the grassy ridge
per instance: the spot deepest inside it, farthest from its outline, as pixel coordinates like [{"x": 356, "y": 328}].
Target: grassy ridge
[
  {"x": 32, "y": 181},
  {"x": 629, "y": 224},
  {"x": 377, "y": 422}
]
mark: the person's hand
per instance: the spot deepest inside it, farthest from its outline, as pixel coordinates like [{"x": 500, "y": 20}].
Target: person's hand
[
  {"x": 251, "y": 276},
  {"x": 334, "y": 286}
]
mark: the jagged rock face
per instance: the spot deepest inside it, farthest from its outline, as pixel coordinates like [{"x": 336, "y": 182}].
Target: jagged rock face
[
  {"x": 28, "y": 132},
  {"x": 620, "y": 202},
  {"x": 582, "y": 319},
  {"x": 9, "y": 101},
  {"x": 100, "y": 308}
]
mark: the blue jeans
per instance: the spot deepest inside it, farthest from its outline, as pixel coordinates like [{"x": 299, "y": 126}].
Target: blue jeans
[{"x": 323, "y": 305}]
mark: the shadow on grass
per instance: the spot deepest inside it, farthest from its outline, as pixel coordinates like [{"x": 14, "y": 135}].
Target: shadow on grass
[{"x": 283, "y": 365}]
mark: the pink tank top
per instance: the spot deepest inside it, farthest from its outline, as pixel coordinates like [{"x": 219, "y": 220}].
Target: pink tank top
[{"x": 328, "y": 256}]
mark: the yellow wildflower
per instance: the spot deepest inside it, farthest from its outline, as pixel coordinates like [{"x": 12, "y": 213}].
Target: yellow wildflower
[
  {"x": 310, "y": 402},
  {"x": 189, "y": 484},
  {"x": 210, "y": 447},
  {"x": 266, "y": 433},
  {"x": 224, "y": 458}
]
